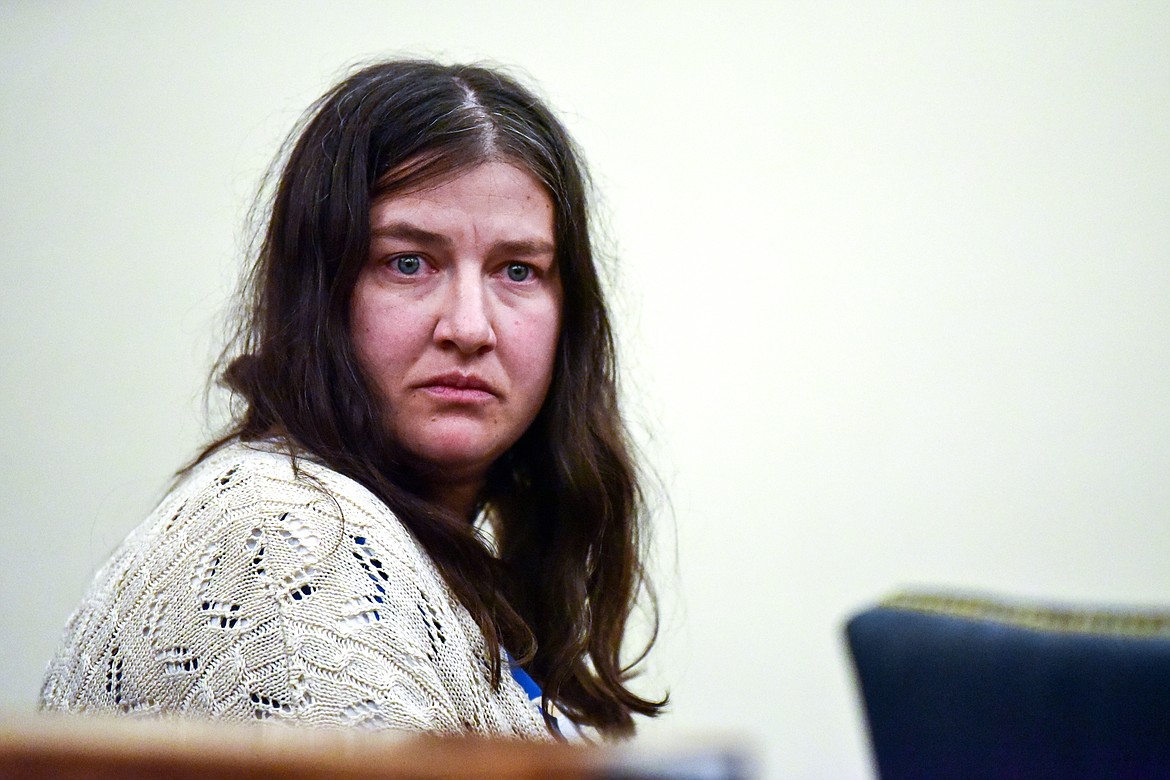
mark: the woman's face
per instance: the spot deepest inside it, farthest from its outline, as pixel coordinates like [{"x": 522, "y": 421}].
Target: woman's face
[{"x": 456, "y": 315}]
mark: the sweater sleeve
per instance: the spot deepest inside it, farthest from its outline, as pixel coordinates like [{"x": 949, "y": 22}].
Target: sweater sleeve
[{"x": 253, "y": 593}]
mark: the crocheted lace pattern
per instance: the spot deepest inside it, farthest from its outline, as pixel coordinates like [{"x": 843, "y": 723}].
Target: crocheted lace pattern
[{"x": 254, "y": 592}]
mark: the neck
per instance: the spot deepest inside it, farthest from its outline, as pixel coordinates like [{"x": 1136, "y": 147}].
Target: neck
[{"x": 459, "y": 497}]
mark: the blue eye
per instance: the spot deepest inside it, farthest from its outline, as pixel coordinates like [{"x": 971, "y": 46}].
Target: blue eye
[
  {"x": 408, "y": 264},
  {"x": 518, "y": 272}
]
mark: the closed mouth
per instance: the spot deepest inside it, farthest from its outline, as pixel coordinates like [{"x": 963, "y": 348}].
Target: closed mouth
[{"x": 454, "y": 381}]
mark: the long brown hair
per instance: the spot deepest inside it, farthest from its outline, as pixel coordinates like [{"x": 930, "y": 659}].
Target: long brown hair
[{"x": 565, "y": 499}]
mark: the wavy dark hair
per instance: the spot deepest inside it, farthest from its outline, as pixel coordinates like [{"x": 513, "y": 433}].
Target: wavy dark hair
[{"x": 565, "y": 499}]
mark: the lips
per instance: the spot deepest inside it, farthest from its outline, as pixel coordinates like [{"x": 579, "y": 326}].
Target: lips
[{"x": 456, "y": 386}]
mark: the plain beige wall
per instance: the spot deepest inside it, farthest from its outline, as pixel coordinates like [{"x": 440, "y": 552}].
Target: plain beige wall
[{"x": 893, "y": 291}]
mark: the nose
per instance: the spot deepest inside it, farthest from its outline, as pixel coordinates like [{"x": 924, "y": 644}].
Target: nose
[{"x": 465, "y": 320}]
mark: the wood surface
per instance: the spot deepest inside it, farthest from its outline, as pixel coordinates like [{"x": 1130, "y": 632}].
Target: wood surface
[{"x": 100, "y": 748}]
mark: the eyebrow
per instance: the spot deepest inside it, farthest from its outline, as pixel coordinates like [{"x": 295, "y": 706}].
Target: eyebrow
[
  {"x": 405, "y": 231},
  {"x": 408, "y": 232}
]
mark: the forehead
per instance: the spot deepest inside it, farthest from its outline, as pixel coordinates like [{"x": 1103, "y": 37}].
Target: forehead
[{"x": 495, "y": 194}]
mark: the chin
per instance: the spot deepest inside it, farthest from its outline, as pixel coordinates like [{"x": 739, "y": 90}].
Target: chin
[
  {"x": 458, "y": 457},
  {"x": 463, "y": 448}
]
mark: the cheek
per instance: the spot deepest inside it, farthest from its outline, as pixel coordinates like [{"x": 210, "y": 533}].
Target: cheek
[
  {"x": 380, "y": 337},
  {"x": 536, "y": 338},
  {"x": 364, "y": 335}
]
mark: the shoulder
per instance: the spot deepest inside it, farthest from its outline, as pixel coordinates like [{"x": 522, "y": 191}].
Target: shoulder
[
  {"x": 253, "y": 566},
  {"x": 259, "y": 476},
  {"x": 245, "y": 488},
  {"x": 256, "y": 474},
  {"x": 265, "y": 586},
  {"x": 253, "y": 513}
]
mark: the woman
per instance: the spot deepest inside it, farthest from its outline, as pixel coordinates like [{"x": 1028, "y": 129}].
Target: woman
[{"x": 426, "y": 358}]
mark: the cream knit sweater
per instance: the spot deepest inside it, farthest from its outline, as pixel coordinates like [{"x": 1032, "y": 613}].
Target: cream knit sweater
[{"x": 255, "y": 593}]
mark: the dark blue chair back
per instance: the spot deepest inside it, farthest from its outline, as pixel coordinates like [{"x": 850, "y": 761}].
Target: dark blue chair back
[{"x": 969, "y": 688}]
